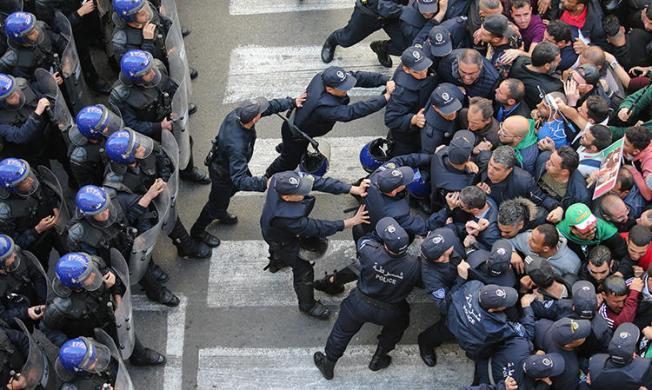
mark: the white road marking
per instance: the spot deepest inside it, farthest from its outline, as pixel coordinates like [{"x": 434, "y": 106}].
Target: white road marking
[
  {"x": 276, "y": 72},
  {"x": 176, "y": 327},
  {"x": 236, "y": 277},
  {"x": 293, "y": 368},
  {"x": 254, "y": 7}
]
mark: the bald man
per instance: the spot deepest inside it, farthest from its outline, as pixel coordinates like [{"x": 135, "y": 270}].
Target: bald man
[{"x": 518, "y": 132}]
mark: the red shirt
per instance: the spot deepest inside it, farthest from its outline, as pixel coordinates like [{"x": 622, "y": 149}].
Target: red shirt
[
  {"x": 575, "y": 21},
  {"x": 646, "y": 259},
  {"x": 626, "y": 315}
]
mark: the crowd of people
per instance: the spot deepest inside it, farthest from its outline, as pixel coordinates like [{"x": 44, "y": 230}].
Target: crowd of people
[{"x": 517, "y": 166}]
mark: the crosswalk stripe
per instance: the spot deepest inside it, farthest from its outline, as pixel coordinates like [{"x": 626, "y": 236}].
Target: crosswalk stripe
[
  {"x": 293, "y": 368},
  {"x": 255, "y": 7},
  {"x": 176, "y": 327},
  {"x": 344, "y": 161},
  {"x": 236, "y": 277},
  {"x": 276, "y": 72}
]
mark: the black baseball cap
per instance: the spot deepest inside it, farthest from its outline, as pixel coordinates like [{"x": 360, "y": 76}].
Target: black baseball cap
[
  {"x": 539, "y": 270},
  {"x": 623, "y": 343},
  {"x": 496, "y": 24},
  {"x": 428, "y": 6},
  {"x": 461, "y": 146},
  {"x": 493, "y": 296},
  {"x": 544, "y": 366},
  {"x": 589, "y": 73},
  {"x": 390, "y": 179},
  {"x": 437, "y": 242},
  {"x": 446, "y": 98},
  {"x": 293, "y": 183},
  {"x": 248, "y": 109},
  {"x": 393, "y": 235},
  {"x": 567, "y": 330},
  {"x": 441, "y": 43},
  {"x": 584, "y": 299},
  {"x": 336, "y": 77},
  {"x": 500, "y": 258},
  {"x": 414, "y": 58}
]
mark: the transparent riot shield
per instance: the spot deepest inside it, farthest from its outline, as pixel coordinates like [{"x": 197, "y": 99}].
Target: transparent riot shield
[
  {"x": 124, "y": 321},
  {"x": 169, "y": 145},
  {"x": 74, "y": 83},
  {"x": 48, "y": 178},
  {"x": 179, "y": 73},
  {"x": 58, "y": 111},
  {"x": 38, "y": 370},
  {"x": 141, "y": 250},
  {"x": 29, "y": 256},
  {"x": 123, "y": 380}
]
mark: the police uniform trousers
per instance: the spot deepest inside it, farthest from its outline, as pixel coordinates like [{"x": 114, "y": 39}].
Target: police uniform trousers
[
  {"x": 291, "y": 154},
  {"x": 303, "y": 273},
  {"x": 360, "y": 26},
  {"x": 433, "y": 336},
  {"x": 222, "y": 189},
  {"x": 358, "y": 309}
]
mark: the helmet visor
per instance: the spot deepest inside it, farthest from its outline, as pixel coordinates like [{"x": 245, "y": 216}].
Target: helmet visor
[
  {"x": 26, "y": 187},
  {"x": 14, "y": 258},
  {"x": 105, "y": 218},
  {"x": 91, "y": 279},
  {"x": 110, "y": 123},
  {"x": 97, "y": 359},
  {"x": 152, "y": 78},
  {"x": 140, "y": 145}
]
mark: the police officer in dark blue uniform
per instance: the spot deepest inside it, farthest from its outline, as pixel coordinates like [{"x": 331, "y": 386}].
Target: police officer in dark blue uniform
[
  {"x": 327, "y": 103},
  {"x": 285, "y": 219},
  {"x": 621, "y": 368},
  {"x": 443, "y": 38},
  {"x": 440, "y": 114},
  {"x": 493, "y": 267},
  {"x": 387, "y": 275},
  {"x": 368, "y": 16},
  {"x": 229, "y": 158},
  {"x": 404, "y": 113}
]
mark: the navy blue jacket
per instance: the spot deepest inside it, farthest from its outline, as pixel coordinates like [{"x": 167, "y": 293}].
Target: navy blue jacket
[
  {"x": 485, "y": 84},
  {"x": 519, "y": 183},
  {"x": 576, "y": 192},
  {"x": 444, "y": 178},
  {"x": 322, "y": 110},
  {"x": 569, "y": 379},
  {"x": 234, "y": 147}
]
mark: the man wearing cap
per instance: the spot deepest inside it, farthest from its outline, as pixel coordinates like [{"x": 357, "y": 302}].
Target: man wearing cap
[
  {"x": 564, "y": 337},
  {"x": 584, "y": 231},
  {"x": 285, "y": 218},
  {"x": 441, "y": 253},
  {"x": 467, "y": 68},
  {"x": 451, "y": 168},
  {"x": 326, "y": 104},
  {"x": 368, "y": 16},
  {"x": 404, "y": 115},
  {"x": 496, "y": 32},
  {"x": 546, "y": 283},
  {"x": 440, "y": 114},
  {"x": 493, "y": 267},
  {"x": 229, "y": 158},
  {"x": 387, "y": 276},
  {"x": 439, "y": 42},
  {"x": 584, "y": 81},
  {"x": 621, "y": 367}
]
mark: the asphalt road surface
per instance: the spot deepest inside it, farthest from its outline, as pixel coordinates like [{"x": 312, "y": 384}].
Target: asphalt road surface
[{"x": 237, "y": 326}]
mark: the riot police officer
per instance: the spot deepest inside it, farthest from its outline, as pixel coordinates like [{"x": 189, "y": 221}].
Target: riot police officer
[
  {"x": 23, "y": 283},
  {"x": 143, "y": 95},
  {"x": 327, "y": 103},
  {"x": 14, "y": 349},
  {"x": 30, "y": 209},
  {"x": 86, "y": 292},
  {"x": 227, "y": 161},
  {"x": 387, "y": 276},
  {"x": 137, "y": 161},
  {"x": 86, "y": 150},
  {"x": 85, "y": 363},
  {"x": 285, "y": 218},
  {"x": 139, "y": 25},
  {"x": 32, "y": 45},
  {"x": 101, "y": 223}
]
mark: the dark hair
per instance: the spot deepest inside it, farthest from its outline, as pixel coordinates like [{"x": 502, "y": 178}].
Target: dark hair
[
  {"x": 611, "y": 25},
  {"x": 585, "y": 2},
  {"x": 640, "y": 235},
  {"x": 511, "y": 213},
  {"x": 484, "y": 105},
  {"x": 505, "y": 156},
  {"x": 550, "y": 234},
  {"x": 516, "y": 4},
  {"x": 516, "y": 89},
  {"x": 599, "y": 255},
  {"x": 544, "y": 53},
  {"x": 626, "y": 179},
  {"x": 602, "y": 136},
  {"x": 639, "y": 136},
  {"x": 569, "y": 158},
  {"x": 471, "y": 56},
  {"x": 615, "y": 285},
  {"x": 559, "y": 31},
  {"x": 597, "y": 108},
  {"x": 473, "y": 197}
]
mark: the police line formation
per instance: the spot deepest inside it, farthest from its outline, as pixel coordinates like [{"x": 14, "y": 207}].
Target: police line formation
[{"x": 506, "y": 119}]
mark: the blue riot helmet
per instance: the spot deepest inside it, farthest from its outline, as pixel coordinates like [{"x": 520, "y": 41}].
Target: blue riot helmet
[
  {"x": 97, "y": 120},
  {"x": 8, "y": 262},
  {"x": 316, "y": 161},
  {"x": 133, "y": 11},
  {"x": 139, "y": 67},
  {"x": 17, "y": 177},
  {"x": 22, "y": 28},
  {"x": 419, "y": 187},
  {"x": 373, "y": 154},
  {"x": 82, "y": 355},
  {"x": 126, "y": 146},
  {"x": 77, "y": 270},
  {"x": 7, "y": 85}
]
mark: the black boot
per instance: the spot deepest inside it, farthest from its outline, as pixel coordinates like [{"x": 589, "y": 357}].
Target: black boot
[
  {"x": 209, "y": 239},
  {"x": 147, "y": 357},
  {"x": 185, "y": 31},
  {"x": 326, "y": 366},
  {"x": 328, "y": 50},
  {"x": 381, "y": 50},
  {"x": 192, "y": 108},
  {"x": 186, "y": 246},
  {"x": 227, "y": 219},
  {"x": 158, "y": 273},
  {"x": 274, "y": 266},
  {"x": 380, "y": 360},
  {"x": 193, "y": 73},
  {"x": 329, "y": 284},
  {"x": 428, "y": 355},
  {"x": 317, "y": 311},
  {"x": 163, "y": 296},
  {"x": 195, "y": 175}
]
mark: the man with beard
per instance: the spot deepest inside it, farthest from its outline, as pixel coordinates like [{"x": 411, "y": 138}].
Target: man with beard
[{"x": 537, "y": 72}]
